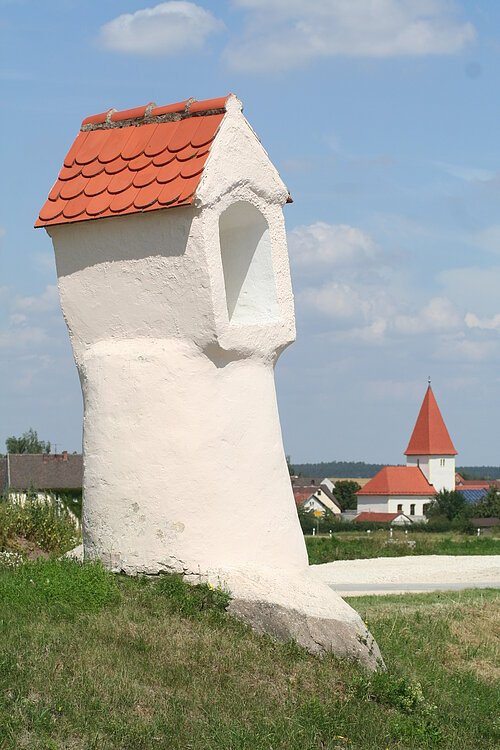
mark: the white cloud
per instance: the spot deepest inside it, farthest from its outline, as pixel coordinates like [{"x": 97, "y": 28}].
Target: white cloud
[
  {"x": 330, "y": 244},
  {"x": 18, "y": 319},
  {"x": 474, "y": 289},
  {"x": 489, "y": 239},
  {"x": 21, "y": 339},
  {"x": 439, "y": 314},
  {"x": 362, "y": 293},
  {"x": 352, "y": 302},
  {"x": 468, "y": 174},
  {"x": 485, "y": 324},
  {"x": 461, "y": 348},
  {"x": 47, "y": 301},
  {"x": 285, "y": 34},
  {"x": 165, "y": 29}
]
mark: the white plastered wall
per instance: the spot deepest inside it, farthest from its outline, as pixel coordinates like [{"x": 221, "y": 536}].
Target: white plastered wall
[
  {"x": 439, "y": 470},
  {"x": 173, "y": 387},
  {"x": 389, "y": 504}
]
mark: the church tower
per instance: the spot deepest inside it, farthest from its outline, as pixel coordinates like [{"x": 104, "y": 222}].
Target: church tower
[{"x": 431, "y": 447}]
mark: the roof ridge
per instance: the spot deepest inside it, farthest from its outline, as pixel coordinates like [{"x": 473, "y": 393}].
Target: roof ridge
[{"x": 151, "y": 113}]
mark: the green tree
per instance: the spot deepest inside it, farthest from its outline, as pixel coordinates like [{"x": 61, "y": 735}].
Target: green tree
[
  {"x": 321, "y": 523},
  {"x": 27, "y": 443},
  {"x": 345, "y": 493},
  {"x": 450, "y": 504},
  {"x": 291, "y": 469},
  {"x": 488, "y": 506}
]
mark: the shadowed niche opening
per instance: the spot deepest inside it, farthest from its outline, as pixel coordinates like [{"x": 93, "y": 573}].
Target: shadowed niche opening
[{"x": 247, "y": 264}]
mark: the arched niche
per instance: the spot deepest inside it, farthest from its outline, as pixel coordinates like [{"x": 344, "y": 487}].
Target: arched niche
[{"x": 247, "y": 264}]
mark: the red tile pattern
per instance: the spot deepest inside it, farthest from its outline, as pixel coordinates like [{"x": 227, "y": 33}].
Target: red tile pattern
[
  {"x": 430, "y": 436},
  {"x": 136, "y": 160},
  {"x": 398, "y": 480}
]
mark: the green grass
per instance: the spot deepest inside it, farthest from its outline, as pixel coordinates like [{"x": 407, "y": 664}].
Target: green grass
[
  {"x": 90, "y": 660},
  {"x": 356, "y": 546}
]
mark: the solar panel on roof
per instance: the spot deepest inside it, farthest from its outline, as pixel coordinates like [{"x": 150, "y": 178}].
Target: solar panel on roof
[{"x": 472, "y": 496}]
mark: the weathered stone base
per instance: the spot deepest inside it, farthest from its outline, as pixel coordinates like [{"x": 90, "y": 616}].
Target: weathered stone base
[
  {"x": 318, "y": 635},
  {"x": 288, "y": 604},
  {"x": 293, "y": 605}
]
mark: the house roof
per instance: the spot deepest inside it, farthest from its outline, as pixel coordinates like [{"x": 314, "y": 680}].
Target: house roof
[
  {"x": 307, "y": 481},
  {"x": 472, "y": 495},
  {"x": 135, "y": 160},
  {"x": 485, "y": 522},
  {"x": 398, "y": 480},
  {"x": 377, "y": 517},
  {"x": 475, "y": 485},
  {"x": 43, "y": 471},
  {"x": 360, "y": 480},
  {"x": 430, "y": 436},
  {"x": 322, "y": 494},
  {"x": 302, "y": 494}
]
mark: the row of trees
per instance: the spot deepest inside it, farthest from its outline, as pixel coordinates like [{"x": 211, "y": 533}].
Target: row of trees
[
  {"x": 29, "y": 442},
  {"x": 452, "y": 505}
]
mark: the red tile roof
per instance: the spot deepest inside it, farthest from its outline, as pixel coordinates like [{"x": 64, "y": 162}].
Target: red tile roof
[
  {"x": 377, "y": 517},
  {"x": 135, "y": 160},
  {"x": 302, "y": 494},
  {"x": 430, "y": 436},
  {"x": 398, "y": 480},
  {"x": 466, "y": 485}
]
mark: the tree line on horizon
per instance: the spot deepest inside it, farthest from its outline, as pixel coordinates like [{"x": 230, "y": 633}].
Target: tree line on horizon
[{"x": 361, "y": 469}]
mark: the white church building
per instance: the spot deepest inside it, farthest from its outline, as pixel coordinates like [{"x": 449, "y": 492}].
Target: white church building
[{"x": 430, "y": 468}]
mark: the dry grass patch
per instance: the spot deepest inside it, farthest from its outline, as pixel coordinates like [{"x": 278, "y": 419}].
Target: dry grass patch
[{"x": 476, "y": 640}]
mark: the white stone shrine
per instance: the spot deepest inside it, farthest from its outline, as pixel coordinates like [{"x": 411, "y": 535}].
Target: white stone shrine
[{"x": 173, "y": 273}]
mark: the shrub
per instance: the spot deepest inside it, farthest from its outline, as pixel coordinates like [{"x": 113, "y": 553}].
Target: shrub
[
  {"x": 391, "y": 689},
  {"x": 44, "y": 524},
  {"x": 320, "y": 524}
]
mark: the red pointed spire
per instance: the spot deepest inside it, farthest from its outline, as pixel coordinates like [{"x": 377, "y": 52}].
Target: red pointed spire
[{"x": 430, "y": 436}]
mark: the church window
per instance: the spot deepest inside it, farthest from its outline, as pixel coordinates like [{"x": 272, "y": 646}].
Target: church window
[
  {"x": 400, "y": 507},
  {"x": 412, "y": 509}
]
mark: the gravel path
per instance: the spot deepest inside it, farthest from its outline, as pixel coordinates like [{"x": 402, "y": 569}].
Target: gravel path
[{"x": 415, "y": 573}]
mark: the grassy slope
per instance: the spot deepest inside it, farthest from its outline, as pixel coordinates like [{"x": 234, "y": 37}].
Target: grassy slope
[
  {"x": 356, "y": 546},
  {"x": 91, "y": 661}
]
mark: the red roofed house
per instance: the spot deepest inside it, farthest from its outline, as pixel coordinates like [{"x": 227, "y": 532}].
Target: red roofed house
[
  {"x": 317, "y": 498},
  {"x": 430, "y": 467}
]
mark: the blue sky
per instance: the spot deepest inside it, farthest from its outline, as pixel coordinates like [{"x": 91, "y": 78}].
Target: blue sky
[{"x": 383, "y": 118}]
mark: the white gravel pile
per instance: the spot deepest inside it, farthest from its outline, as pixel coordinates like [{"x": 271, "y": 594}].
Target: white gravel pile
[{"x": 411, "y": 571}]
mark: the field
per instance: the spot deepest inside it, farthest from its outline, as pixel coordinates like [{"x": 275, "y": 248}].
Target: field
[
  {"x": 88, "y": 660},
  {"x": 360, "y": 545}
]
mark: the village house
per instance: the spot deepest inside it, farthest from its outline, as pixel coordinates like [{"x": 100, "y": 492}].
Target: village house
[
  {"x": 317, "y": 496},
  {"x": 44, "y": 477},
  {"x": 41, "y": 473},
  {"x": 430, "y": 468}
]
